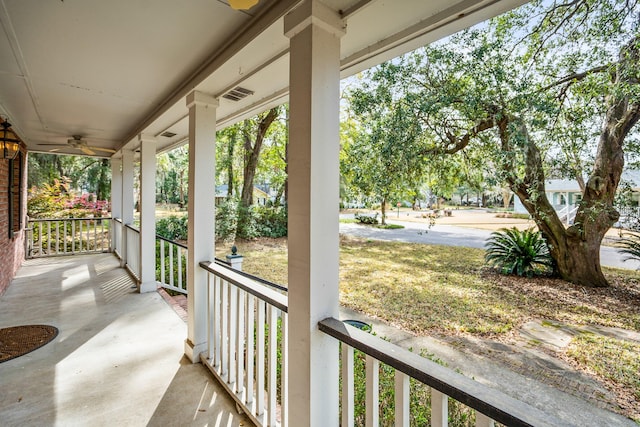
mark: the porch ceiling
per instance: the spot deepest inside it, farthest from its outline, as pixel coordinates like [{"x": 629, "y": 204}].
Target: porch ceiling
[{"x": 111, "y": 70}]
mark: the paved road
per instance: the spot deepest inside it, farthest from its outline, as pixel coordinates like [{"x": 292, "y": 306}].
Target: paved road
[{"x": 458, "y": 236}]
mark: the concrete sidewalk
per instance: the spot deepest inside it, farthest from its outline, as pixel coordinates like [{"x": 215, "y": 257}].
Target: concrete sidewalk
[{"x": 516, "y": 371}]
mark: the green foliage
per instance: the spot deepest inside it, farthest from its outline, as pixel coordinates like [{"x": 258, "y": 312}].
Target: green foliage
[
  {"x": 226, "y": 219},
  {"x": 389, "y": 226},
  {"x": 419, "y": 395},
  {"x": 173, "y": 227},
  {"x": 56, "y": 201},
  {"x": 523, "y": 253},
  {"x": 630, "y": 246},
  {"x": 85, "y": 174},
  {"x": 366, "y": 218},
  {"x": 234, "y": 220}
]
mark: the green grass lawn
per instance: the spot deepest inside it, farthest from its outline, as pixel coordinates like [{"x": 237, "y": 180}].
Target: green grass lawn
[{"x": 446, "y": 291}]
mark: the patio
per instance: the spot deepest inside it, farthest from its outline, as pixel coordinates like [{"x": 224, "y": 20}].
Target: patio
[{"x": 118, "y": 358}]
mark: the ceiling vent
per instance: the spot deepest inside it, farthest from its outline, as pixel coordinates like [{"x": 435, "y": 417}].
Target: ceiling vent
[
  {"x": 237, "y": 93},
  {"x": 168, "y": 134}
]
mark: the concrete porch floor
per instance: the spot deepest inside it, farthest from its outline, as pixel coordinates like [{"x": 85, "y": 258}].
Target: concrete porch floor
[{"x": 117, "y": 360}]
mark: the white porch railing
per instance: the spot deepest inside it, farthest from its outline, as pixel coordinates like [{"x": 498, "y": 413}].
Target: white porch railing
[
  {"x": 116, "y": 236},
  {"x": 67, "y": 236},
  {"x": 247, "y": 343},
  {"x": 132, "y": 241},
  {"x": 171, "y": 270},
  {"x": 247, "y": 349},
  {"x": 567, "y": 213},
  {"x": 488, "y": 404}
]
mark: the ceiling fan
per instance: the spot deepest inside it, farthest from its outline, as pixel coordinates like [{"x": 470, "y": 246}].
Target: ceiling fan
[{"x": 80, "y": 144}]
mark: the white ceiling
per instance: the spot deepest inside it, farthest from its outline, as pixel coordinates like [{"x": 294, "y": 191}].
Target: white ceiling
[{"x": 110, "y": 70}]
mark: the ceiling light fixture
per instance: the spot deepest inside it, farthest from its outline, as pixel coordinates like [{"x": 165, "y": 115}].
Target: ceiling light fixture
[
  {"x": 9, "y": 142},
  {"x": 242, "y": 4}
]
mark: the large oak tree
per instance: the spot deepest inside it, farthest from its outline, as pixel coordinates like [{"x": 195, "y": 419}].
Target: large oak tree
[{"x": 549, "y": 90}]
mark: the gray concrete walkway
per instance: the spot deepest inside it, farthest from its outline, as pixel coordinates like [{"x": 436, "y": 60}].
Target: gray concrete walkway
[
  {"x": 117, "y": 361},
  {"x": 513, "y": 371}
]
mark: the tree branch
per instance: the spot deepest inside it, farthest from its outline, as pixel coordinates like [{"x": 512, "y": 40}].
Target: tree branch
[{"x": 572, "y": 78}]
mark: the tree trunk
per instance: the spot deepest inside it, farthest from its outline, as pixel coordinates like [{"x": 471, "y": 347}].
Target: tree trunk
[
  {"x": 252, "y": 154},
  {"x": 383, "y": 221},
  {"x": 230, "y": 149},
  {"x": 181, "y": 204}
]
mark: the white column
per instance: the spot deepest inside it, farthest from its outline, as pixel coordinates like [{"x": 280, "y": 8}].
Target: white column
[
  {"x": 202, "y": 179},
  {"x": 147, "y": 213},
  {"x": 315, "y": 32},
  {"x": 127, "y": 199},
  {"x": 116, "y": 188},
  {"x": 116, "y": 194}
]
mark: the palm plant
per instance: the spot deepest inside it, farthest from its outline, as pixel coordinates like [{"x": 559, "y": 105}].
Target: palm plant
[
  {"x": 524, "y": 253},
  {"x": 630, "y": 245}
]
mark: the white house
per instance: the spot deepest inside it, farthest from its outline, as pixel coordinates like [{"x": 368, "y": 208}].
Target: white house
[{"x": 565, "y": 194}]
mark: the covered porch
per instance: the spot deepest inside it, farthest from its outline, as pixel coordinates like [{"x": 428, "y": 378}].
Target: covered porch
[
  {"x": 118, "y": 358},
  {"x": 284, "y": 357}
]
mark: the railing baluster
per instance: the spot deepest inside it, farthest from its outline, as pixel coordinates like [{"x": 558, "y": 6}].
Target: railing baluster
[
  {"x": 224, "y": 330},
  {"x": 211, "y": 307},
  {"x": 260, "y": 357},
  {"x": 272, "y": 360},
  {"x": 64, "y": 240},
  {"x": 231, "y": 335},
  {"x": 249, "y": 334},
  {"x": 284, "y": 370},
  {"x": 483, "y": 421},
  {"x": 240, "y": 313},
  {"x": 348, "y": 398},
  {"x": 95, "y": 235},
  {"x": 171, "y": 248},
  {"x": 102, "y": 242},
  {"x": 179, "y": 266},
  {"x": 217, "y": 317},
  {"x": 48, "y": 237},
  {"x": 57, "y": 237},
  {"x": 73, "y": 236},
  {"x": 162, "y": 273},
  {"x": 401, "y": 399},
  {"x": 372, "y": 391},
  {"x": 439, "y": 409},
  {"x": 40, "y": 238}
]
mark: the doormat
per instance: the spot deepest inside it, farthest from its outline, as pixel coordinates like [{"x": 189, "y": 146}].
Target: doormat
[{"x": 19, "y": 340}]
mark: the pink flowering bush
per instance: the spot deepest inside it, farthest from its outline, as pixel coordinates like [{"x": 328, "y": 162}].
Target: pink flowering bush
[{"x": 56, "y": 201}]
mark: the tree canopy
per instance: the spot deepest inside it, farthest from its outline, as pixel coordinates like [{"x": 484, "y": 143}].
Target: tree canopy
[{"x": 548, "y": 90}]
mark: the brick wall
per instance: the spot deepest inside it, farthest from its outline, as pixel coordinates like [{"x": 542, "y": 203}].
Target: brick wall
[{"x": 11, "y": 248}]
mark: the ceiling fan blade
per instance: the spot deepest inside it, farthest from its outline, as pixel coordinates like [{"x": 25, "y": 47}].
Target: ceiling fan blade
[
  {"x": 52, "y": 144},
  {"x": 106, "y": 150},
  {"x": 86, "y": 150}
]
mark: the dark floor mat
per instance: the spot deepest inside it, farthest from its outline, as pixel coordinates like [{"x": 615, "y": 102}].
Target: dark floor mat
[{"x": 19, "y": 340}]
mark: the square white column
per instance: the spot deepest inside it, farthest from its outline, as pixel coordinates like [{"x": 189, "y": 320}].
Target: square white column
[
  {"x": 127, "y": 199},
  {"x": 116, "y": 195},
  {"x": 116, "y": 188},
  {"x": 201, "y": 242},
  {"x": 313, "y": 204},
  {"x": 147, "y": 214}
]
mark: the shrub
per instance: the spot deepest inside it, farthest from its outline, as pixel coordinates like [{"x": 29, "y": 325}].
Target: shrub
[
  {"x": 630, "y": 246},
  {"x": 367, "y": 219},
  {"x": 524, "y": 253},
  {"x": 233, "y": 220},
  {"x": 227, "y": 219},
  {"x": 173, "y": 227},
  {"x": 270, "y": 221}
]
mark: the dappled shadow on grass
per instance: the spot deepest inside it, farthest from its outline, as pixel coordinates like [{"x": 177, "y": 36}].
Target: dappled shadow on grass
[{"x": 447, "y": 290}]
